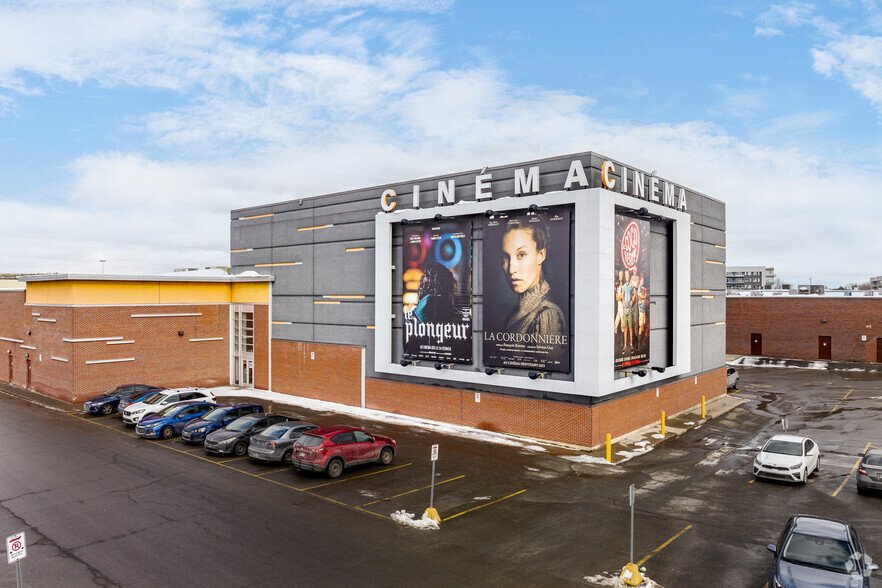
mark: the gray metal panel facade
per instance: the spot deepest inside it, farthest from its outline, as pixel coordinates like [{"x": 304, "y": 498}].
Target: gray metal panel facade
[{"x": 314, "y": 300}]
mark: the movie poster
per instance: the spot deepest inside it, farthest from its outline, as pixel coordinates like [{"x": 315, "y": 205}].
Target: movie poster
[
  {"x": 631, "y": 323},
  {"x": 527, "y": 290},
  {"x": 438, "y": 291}
]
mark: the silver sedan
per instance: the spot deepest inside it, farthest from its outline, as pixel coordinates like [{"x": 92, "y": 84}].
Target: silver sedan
[{"x": 276, "y": 442}]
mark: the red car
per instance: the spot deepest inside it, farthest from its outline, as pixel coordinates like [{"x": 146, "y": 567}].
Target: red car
[{"x": 330, "y": 449}]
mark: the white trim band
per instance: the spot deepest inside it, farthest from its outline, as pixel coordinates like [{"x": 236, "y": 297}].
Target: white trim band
[
  {"x": 207, "y": 339},
  {"x": 119, "y": 342},
  {"x": 169, "y": 314},
  {"x": 42, "y": 320},
  {"x": 110, "y": 360},
  {"x": 11, "y": 340},
  {"x": 28, "y": 347},
  {"x": 92, "y": 339},
  {"x": 59, "y": 359},
  {"x": 35, "y": 314}
]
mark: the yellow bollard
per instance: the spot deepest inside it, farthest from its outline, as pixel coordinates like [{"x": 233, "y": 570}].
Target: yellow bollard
[
  {"x": 663, "y": 424},
  {"x": 702, "y": 408},
  {"x": 609, "y": 447}
]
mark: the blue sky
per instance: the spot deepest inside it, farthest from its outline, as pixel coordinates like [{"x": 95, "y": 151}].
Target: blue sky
[{"x": 129, "y": 131}]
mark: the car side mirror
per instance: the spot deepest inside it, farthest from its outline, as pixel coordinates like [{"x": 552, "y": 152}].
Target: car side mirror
[
  {"x": 871, "y": 567},
  {"x": 165, "y": 402},
  {"x": 771, "y": 547}
]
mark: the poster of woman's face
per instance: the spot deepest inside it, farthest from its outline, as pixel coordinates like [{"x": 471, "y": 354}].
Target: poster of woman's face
[
  {"x": 631, "y": 322},
  {"x": 437, "y": 291},
  {"x": 526, "y": 272}
]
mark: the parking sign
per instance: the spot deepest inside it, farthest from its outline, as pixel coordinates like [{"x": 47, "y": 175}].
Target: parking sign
[
  {"x": 15, "y": 547},
  {"x": 434, "y": 453}
]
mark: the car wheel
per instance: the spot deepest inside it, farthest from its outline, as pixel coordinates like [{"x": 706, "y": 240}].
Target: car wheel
[
  {"x": 106, "y": 409},
  {"x": 167, "y": 432},
  {"x": 335, "y": 468},
  {"x": 386, "y": 455},
  {"x": 240, "y": 449},
  {"x": 818, "y": 466},
  {"x": 861, "y": 491},
  {"x": 735, "y": 386},
  {"x": 805, "y": 475},
  {"x": 287, "y": 457}
]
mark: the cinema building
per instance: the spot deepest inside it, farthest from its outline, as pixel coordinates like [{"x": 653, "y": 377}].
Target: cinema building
[{"x": 564, "y": 299}]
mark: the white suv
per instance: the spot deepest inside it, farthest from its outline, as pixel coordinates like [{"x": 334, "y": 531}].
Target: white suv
[{"x": 159, "y": 400}]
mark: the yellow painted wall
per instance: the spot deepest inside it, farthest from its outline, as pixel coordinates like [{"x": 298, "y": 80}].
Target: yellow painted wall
[
  {"x": 250, "y": 292},
  {"x": 85, "y": 292}
]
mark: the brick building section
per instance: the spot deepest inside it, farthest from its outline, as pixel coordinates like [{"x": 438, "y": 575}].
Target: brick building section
[
  {"x": 791, "y": 326},
  {"x": 162, "y": 357},
  {"x": 333, "y": 375}
]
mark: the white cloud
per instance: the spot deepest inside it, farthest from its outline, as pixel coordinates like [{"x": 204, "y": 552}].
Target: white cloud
[
  {"x": 768, "y": 32},
  {"x": 858, "y": 59}
]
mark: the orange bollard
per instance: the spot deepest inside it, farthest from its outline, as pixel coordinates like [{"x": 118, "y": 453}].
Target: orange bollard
[
  {"x": 663, "y": 424},
  {"x": 609, "y": 447},
  {"x": 702, "y": 408}
]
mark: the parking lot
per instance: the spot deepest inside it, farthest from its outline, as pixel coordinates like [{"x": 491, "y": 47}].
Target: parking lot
[{"x": 512, "y": 514}]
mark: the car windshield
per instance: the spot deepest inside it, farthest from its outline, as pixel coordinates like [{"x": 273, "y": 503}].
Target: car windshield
[
  {"x": 275, "y": 432},
  {"x": 783, "y": 447},
  {"x": 874, "y": 460},
  {"x": 115, "y": 391},
  {"x": 170, "y": 410},
  {"x": 152, "y": 398},
  {"x": 239, "y": 425},
  {"x": 308, "y": 440},
  {"x": 216, "y": 414},
  {"x": 820, "y": 552}
]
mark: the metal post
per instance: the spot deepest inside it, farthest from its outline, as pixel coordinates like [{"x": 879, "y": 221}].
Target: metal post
[
  {"x": 18, "y": 572},
  {"x": 631, "y": 500},
  {"x": 432, "y": 491}
]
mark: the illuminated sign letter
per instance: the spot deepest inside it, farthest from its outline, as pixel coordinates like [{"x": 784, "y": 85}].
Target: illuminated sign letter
[
  {"x": 526, "y": 183},
  {"x": 447, "y": 192},
  {"x": 624, "y": 186},
  {"x": 669, "y": 194},
  {"x": 384, "y": 200},
  {"x": 681, "y": 198},
  {"x": 482, "y": 183},
  {"x": 653, "y": 188},
  {"x": 608, "y": 182},
  {"x": 576, "y": 174},
  {"x": 637, "y": 184},
  {"x": 416, "y": 195}
]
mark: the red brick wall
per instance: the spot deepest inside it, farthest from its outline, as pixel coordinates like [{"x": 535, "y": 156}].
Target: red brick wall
[
  {"x": 12, "y": 326},
  {"x": 334, "y": 376},
  {"x": 790, "y": 326},
  {"x": 333, "y": 373}
]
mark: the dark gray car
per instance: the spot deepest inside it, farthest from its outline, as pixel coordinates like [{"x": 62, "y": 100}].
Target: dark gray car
[
  {"x": 233, "y": 438},
  {"x": 870, "y": 472},
  {"x": 276, "y": 442}
]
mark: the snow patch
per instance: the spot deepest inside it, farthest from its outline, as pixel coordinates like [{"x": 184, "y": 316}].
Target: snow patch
[
  {"x": 535, "y": 448},
  {"x": 585, "y": 459},
  {"x": 658, "y": 436},
  {"x": 610, "y": 579},
  {"x": 714, "y": 457},
  {"x": 529, "y": 469},
  {"x": 424, "y": 524},
  {"x": 481, "y": 498},
  {"x": 369, "y": 493},
  {"x": 690, "y": 423}
]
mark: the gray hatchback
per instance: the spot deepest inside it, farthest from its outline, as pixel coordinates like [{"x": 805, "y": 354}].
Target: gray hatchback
[
  {"x": 870, "y": 472},
  {"x": 276, "y": 442}
]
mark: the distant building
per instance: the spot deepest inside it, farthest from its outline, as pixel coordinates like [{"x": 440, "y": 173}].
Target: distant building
[
  {"x": 753, "y": 277},
  {"x": 876, "y": 283}
]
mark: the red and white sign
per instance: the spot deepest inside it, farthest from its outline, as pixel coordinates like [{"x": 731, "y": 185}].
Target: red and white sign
[
  {"x": 434, "y": 453},
  {"x": 15, "y": 547},
  {"x": 631, "y": 246}
]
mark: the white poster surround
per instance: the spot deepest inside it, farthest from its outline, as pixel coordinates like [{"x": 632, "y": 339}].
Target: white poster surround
[{"x": 593, "y": 279}]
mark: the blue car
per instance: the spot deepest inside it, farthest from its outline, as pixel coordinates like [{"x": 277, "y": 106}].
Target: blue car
[
  {"x": 108, "y": 402},
  {"x": 224, "y": 414},
  {"x": 172, "y": 419}
]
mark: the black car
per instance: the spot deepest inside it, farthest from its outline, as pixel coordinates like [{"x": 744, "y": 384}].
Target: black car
[
  {"x": 234, "y": 437},
  {"x": 819, "y": 552},
  {"x": 108, "y": 402}
]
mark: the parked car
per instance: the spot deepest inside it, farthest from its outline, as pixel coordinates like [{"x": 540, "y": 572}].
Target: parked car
[
  {"x": 819, "y": 552},
  {"x": 331, "y": 449},
  {"x": 234, "y": 437},
  {"x": 731, "y": 378},
  {"x": 158, "y": 400},
  {"x": 277, "y": 442},
  {"x": 195, "y": 431},
  {"x": 787, "y": 457},
  {"x": 140, "y": 397},
  {"x": 171, "y": 420},
  {"x": 870, "y": 472},
  {"x": 108, "y": 402}
]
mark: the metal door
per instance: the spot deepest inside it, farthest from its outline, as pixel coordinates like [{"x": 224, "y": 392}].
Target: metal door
[
  {"x": 824, "y": 347},
  {"x": 10, "y": 369},
  {"x": 878, "y": 350},
  {"x": 756, "y": 343},
  {"x": 28, "y": 361}
]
